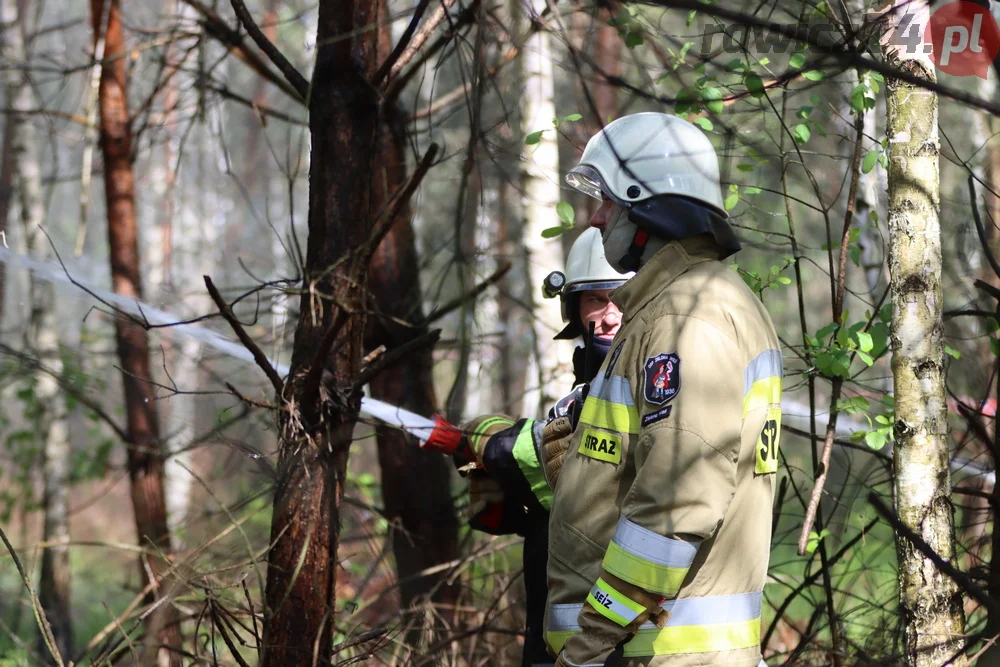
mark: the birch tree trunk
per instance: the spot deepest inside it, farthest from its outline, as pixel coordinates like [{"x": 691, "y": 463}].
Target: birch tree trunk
[
  {"x": 41, "y": 337},
  {"x": 316, "y": 430},
  {"x": 934, "y": 621},
  {"x": 145, "y": 449},
  {"x": 549, "y": 372}
]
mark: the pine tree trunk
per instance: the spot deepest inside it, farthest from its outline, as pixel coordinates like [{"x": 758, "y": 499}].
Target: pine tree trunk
[
  {"x": 40, "y": 336},
  {"x": 145, "y": 449},
  {"x": 416, "y": 485},
  {"x": 933, "y": 618},
  {"x": 550, "y": 370},
  {"x": 316, "y": 431}
]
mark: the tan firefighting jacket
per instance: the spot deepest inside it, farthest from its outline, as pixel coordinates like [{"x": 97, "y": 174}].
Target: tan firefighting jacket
[{"x": 667, "y": 486}]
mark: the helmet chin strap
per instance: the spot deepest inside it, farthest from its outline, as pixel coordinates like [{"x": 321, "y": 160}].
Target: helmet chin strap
[{"x": 630, "y": 261}]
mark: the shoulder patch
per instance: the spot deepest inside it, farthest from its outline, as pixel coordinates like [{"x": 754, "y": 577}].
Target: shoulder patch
[{"x": 662, "y": 374}]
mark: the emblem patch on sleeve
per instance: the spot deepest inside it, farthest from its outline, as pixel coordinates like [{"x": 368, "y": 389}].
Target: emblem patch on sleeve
[{"x": 662, "y": 378}]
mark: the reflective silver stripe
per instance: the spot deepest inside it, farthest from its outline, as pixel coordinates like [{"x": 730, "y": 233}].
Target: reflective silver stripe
[
  {"x": 714, "y": 609},
  {"x": 689, "y": 611},
  {"x": 563, "y": 617},
  {"x": 615, "y": 389},
  {"x": 647, "y": 545},
  {"x": 766, "y": 364}
]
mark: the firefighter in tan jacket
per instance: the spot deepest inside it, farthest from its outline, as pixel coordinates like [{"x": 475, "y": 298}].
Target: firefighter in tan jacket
[{"x": 661, "y": 516}]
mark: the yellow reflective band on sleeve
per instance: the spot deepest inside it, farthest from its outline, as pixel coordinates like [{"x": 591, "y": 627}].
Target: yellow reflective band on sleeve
[
  {"x": 643, "y": 573},
  {"x": 707, "y": 638},
  {"x": 484, "y": 426},
  {"x": 767, "y": 443},
  {"x": 556, "y": 640},
  {"x": 762, "y": 394},
  {"x": 601, "y": 446},
  {"x": 762, "y": 381},
  {"x": 610, "y": 416},
  {"x": 527, "y": 461},
  {"x": 614, "y": 606},
  {"x": 711, "y": 624}
]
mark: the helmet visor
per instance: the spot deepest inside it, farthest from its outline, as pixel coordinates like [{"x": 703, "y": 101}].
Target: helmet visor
[
  {"x": 587, "y": 180},
  {"x": 586, "y": 286}
]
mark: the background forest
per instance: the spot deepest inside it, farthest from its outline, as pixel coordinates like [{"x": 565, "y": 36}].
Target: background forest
[{"x": 221, "y": 221}]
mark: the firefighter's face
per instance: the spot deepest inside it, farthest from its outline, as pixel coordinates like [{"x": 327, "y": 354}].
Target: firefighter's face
[{"x": 596, "y": 307}]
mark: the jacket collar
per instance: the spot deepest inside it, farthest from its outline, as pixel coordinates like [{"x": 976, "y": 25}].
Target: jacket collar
[{"x": 660, "y": 270}]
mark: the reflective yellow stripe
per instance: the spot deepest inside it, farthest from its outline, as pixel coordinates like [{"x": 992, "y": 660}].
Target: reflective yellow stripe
[
  {"x": 695, "y": 625},
  {"x": 613, "y": 605},
  {"x": 556, "y": 640},
  {"x": 485, "y": 425},
  {"x": 762, "y": 393},
  {"x": 695, "y": 638},
  {"x": 644, "y": 573},
  {"x": 610, "y": 416}
]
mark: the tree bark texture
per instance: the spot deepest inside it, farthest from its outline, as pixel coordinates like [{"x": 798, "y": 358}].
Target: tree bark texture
[
  {"x": 316, "y": 429},
  {"x": 416, "y": 485},
  {"x": 145, "y": 450},
  {"x": 933, "y": 617},
  {"x": 41, "y": 336}
]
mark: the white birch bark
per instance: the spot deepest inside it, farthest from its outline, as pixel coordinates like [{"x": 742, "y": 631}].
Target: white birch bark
[
  {"x": 931, "y": 603},
  {"x": 550, "y": 367},
  {"x": 41, "y": 335}
]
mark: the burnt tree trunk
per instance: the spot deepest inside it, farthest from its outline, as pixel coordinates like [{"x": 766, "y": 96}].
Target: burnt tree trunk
[
  {"x": 145, "y": 450},
  {"x": 316, "y": 429},
  {"x": 416, "y": 485}
]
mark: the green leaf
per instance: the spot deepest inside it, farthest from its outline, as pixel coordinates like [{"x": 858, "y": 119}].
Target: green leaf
[
  {"x": 858, "y": 98},
  {"x": 751, "y": 190},
  {"x": 875, "y": 440},
  {"x": 877, "y": 76},
  {"x": 804, "y": 112},
  {"x": 868, "y": 162},
  {"x": 814, "y": 75},
  {"x": 853, "y": 405},
  {"x": 952, "y": 351},
  {"x": 731, "y": 201},
  {"x": 745, "y": 167},
  {"x": 865, "y": 358},
  {"x": 864, "y": 341},
  {"x": 704, "y": 124},
  {"x": 784, "y": 281},
  {"x": 572, "y": 117},
  {"x": 534, "y": 137},
  {"x": 827, "y": 330},
  {"x": 797, "y": 61},
  {"x": 843, "y": 337},
  {"x": 713, "y": 99},
  {"x": 995, "y": 347},
  {"x": 552, "y": 232},
  {"x": 633, "y": 39},
  {"x": 754, "y": 85},
  {"x": 882, "y": 419},
  {"x": 992, "y": 325},
  {"x": 566, "y": 213},
  {"x": 801, "y": 133}
]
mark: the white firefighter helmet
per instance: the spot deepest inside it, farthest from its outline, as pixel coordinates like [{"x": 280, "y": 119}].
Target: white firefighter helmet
[
  {"x": 663, "y": 174},
  {"x": 586, "y": 269},
  {"x": 644, "y": 155}
]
